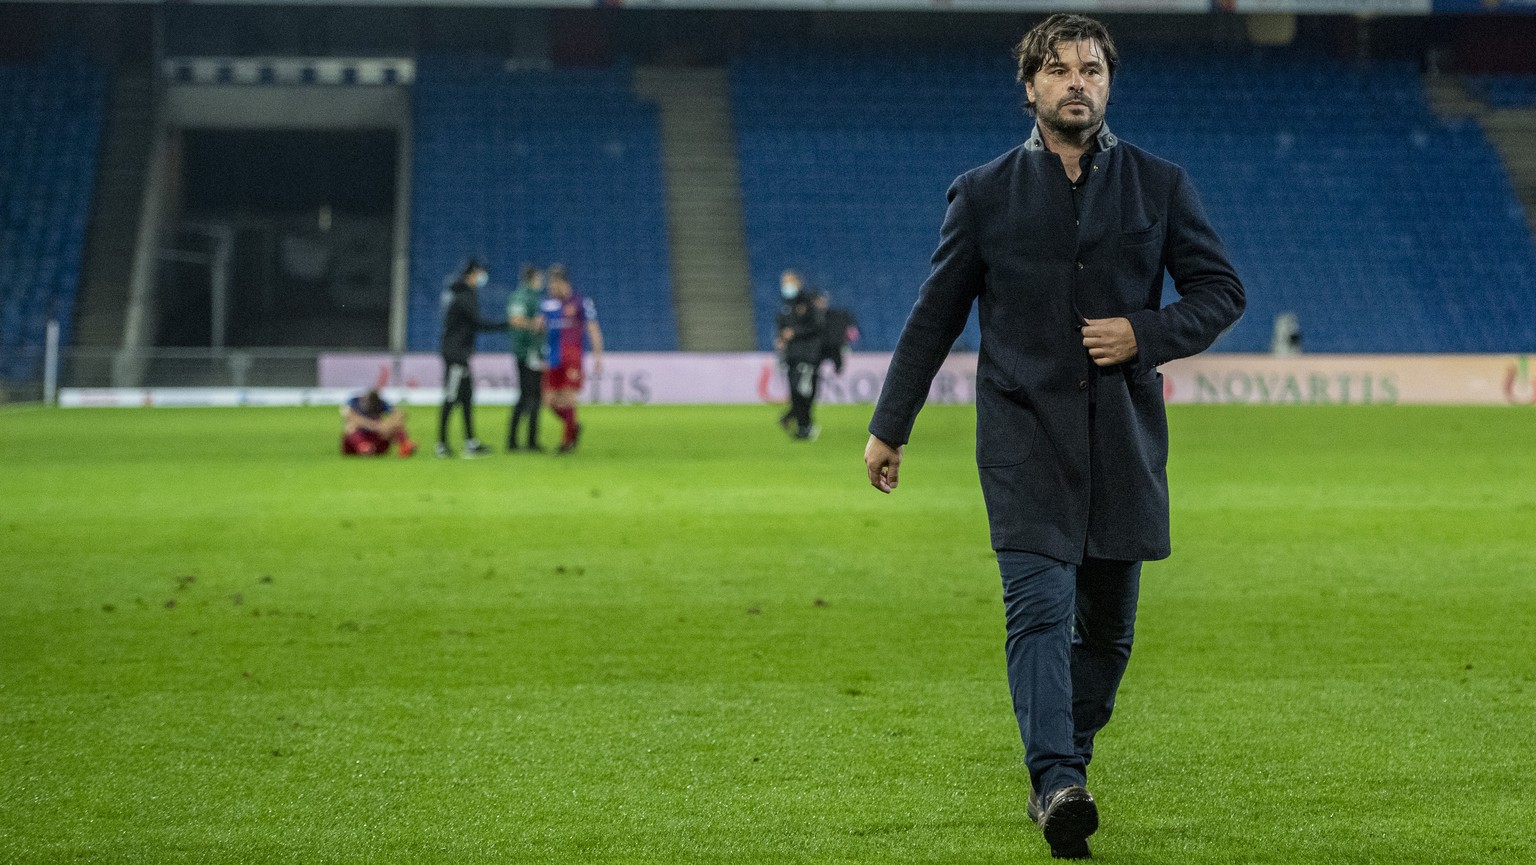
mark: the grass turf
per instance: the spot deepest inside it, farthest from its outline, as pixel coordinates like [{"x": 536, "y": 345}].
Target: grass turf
[{"x": 697, "y": 641}]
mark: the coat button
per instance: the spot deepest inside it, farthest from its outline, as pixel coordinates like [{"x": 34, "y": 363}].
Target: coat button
[{"x": 1083, "y": 384}]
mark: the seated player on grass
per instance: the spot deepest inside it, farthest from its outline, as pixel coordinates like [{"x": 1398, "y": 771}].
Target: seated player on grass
[{"x": 369, "y": 425}]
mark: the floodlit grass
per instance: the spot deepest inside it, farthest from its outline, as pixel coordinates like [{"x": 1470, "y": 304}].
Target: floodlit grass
[{"x": 698, "y": 642}]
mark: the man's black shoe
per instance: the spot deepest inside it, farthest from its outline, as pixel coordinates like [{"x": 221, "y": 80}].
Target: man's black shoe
[
  {"x": 1067, "y": 817},
  {"x": 1080, "y": 851}
]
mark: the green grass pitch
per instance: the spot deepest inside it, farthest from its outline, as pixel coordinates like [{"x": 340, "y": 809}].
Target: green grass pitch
[{"x": 699, "y": 642}]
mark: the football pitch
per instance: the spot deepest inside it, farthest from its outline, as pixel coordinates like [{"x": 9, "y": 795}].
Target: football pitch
[{"x": 696, "y": 641}]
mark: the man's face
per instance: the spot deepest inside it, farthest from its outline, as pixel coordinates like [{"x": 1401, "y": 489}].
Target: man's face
[
  {"x": 560, "y": 288},
  {"x": 1072, "y": 88},
  {"x": 789, "y": 284}
]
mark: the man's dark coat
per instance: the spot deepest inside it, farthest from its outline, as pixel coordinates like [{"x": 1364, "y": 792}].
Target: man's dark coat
[{"x": 1073, "y": 458}]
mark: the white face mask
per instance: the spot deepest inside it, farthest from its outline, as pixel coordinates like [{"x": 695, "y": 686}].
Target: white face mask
[{"x": 789, "y": 289}]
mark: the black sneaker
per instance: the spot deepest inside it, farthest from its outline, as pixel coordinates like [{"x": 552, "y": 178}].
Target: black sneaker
[{"x": 1067, "y": 817}]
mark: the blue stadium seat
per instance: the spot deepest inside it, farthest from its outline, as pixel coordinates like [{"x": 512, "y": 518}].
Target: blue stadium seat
[
  {"x": 540, "y": 166},
  {"x": 51, "y": 115},
  {"x": 1504, "y": 91},
  {"x": 1341, "y": 197}
]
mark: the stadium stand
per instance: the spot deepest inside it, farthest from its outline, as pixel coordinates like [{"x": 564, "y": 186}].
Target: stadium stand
[
  {"x": 844, "y": 164},
  {"x": 1504, "y": 91},
  {"x": 540, "y": 166},
  {"x": 50, "y": 126},
  {"x": 1341, "y": 196}
]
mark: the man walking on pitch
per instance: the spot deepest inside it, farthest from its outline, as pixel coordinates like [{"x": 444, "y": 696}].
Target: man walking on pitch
[
  {"x": 528, "y": 354},
  {"x": 1063, "y": 241},
  {"x": 570, "y": 320},
  {"x": 461, "y": 321}
]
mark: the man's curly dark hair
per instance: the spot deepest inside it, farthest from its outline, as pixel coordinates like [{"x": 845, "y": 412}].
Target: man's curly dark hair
[{"x": 1039, "y": 45}]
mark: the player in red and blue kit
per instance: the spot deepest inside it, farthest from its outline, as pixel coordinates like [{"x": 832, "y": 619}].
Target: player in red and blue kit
[
  {"x": 570, "y": 320},
  {"x": 369, "y": 425}
]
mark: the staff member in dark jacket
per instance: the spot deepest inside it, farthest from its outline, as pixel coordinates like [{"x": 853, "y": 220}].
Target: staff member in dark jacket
[
  {"x": 1063, "y": 242},
  {"x": 800, "y": 333},
  {"x": 839, "y": 329},
  {"x": 461, "y": 321},
  {"x": 528, "y": 354}
]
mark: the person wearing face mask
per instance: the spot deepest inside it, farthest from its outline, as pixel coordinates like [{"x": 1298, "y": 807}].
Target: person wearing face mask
[
  {"x": 798, "y": 337},
  {"x": 461, "y": 321}
]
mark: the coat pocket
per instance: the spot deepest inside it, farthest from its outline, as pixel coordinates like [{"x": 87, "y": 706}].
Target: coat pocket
[
  {"x": 1138, "y": 236},
  {"x": 1006, "y": 426}
]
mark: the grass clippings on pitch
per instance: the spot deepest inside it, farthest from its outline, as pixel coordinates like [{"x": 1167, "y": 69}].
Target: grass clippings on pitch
[{"x": 697, "y": 642}]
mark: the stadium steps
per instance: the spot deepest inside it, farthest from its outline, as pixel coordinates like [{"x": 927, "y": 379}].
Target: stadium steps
[
  {"x": 1511, "y": 130},
  {"x": 1449, "y": 98},
  {"x": 711, "y": 288},
  {"x": 1513, "y": 133},
  {"x": 114, "y": 223}
]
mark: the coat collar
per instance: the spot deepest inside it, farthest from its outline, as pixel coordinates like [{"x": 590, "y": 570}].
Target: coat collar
[{"x": 1105, "y": 138}]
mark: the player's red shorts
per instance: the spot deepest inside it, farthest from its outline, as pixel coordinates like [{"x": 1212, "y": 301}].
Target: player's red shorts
[
  {"x": 566, "y": 376},
  {"x": 364, "y": 443}
]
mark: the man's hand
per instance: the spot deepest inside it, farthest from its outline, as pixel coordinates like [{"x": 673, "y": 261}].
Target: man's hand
[
  {"x": 597, "y": 366},
  {"x": 1109, "y": 340},
  {"x": 882, "y": 461}
]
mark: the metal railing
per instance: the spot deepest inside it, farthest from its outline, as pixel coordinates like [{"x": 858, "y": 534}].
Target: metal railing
[
  {"x": 30, "y": 373},
  {"x": 190, "y": 367}
]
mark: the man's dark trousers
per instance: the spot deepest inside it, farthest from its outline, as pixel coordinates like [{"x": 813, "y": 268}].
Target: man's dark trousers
[
  {"x": 1070, "y": 629},
  {"x": 530, "y": 398},
  {"x": 804, "y": 376}
]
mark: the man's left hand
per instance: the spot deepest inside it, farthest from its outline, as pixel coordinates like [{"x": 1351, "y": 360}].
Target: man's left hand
[{"x": 1109, "y": 340}]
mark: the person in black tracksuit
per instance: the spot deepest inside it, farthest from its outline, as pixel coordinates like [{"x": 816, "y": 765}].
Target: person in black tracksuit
[
  {"x": 839, "y": 330},
  {"x": 461, "y": 321},
  {"x": 798, "y": 336}
]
